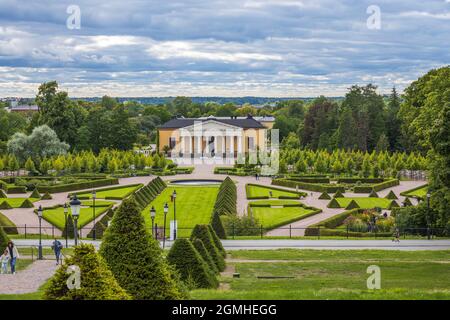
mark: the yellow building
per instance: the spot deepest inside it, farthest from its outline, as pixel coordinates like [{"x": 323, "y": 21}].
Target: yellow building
[{"x": 214, "y": 136}]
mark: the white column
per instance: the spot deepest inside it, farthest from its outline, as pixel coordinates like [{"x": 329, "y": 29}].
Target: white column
[
  {"x": 199, "y": 145},
  {"x": 239, "y": 142},
  {"x": 191, "y": 147},
  {"x": 181, "y": 144},
  {"x": 216, "y": 151},
  {"x": 223, "y": 145},
  {"x": 232, "y": 145},
  {"x": 207, "y": 145}
]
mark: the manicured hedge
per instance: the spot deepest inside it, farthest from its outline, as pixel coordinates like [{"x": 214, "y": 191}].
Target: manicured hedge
[
  {"x": 406, "y": 193},
  {"x": 338, "y": 194},
  {"x": 16, "y": 189},
  {"x": 407, "y": 202},
  {"x": 307, "y": 186},
  {"x": 27, "y": 204},
  {"x": 352, "y": 205},
  {"x": 2, "y": 194},
  {"x": 46, "y": 196},
  {"x": 330, "y": 223},
  {"x": 5, "y": 205},
  {"x": 333, "y": 204},
  {"x": 79, "y": 186},
  {"x": 35, "y": 194},
  {"x": 393, "y": 204},
  {"x": 148, "y": 193},
  {"x": 391, "y": 195},
  {"x": 362, "y": 180},
  {"x": 310, "y": 179},
  {"x": 324, "y": 196},
  {"x": 376, "y": 187},
  {"x": 201, "y": 231},
  {"x": 225, "y": 205},
  {"x": 373, "y": 194}
]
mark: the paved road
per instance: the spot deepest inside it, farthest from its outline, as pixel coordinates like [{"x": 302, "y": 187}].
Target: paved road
[{"x": 410, "y": 245}]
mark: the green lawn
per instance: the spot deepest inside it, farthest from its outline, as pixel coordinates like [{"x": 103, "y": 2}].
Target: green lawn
[
  {"x": 56, "y": 216},
  {"x": 365, "y": 203},
  {"x": 262, "y": 191},
  {"x": 194, "y": 206},
  {"x": 273, "y": 217},
  {"x": 336, "y": 274},
  {"x": 16, "y": 202},
  {"x": 421, "y": 193},
  {"x": 116, "y": 192}
]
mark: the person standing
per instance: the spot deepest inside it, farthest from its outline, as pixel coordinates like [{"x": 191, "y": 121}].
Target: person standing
[
  {"x": 4, "y": 259},
  {"x": 13, "y": 256},
  {"x": 56, "y": 247}
]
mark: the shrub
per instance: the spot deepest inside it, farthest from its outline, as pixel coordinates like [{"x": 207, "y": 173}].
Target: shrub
[
  {"x": 27, "y": 204},
  {"x": 200, "y": 247},
  {"x": 217, "y": 226},
  {"x": 35, "y": 194},
  {"x": 8, "y": 226},
  {"x": 5, "y": 205},
  {"x": 338, "y": 194},
  {"x": 373, "y": 194},
  {"x": 246, "y": 225},
  {"x": 46, "y": 196},
  {"x": 190, "y": 265},
  {"x": 333, "y": 204},
  {"x": 352, "y": 205},
  {"x": 393, "y": 204},
  {"x": 97, "y": 281},
  {"x": 79, "y": 185},
  {"x": 201, "y": 231},
  {"x": 70, "y": 228},
  {"x": 332, "y": 222},
  {"x": 2, "y": 194},
  {"x": 407, "y": 202},
  {"x": 3, "y": 239},
  {"x": 217, "y": 241},
  {"x": 136, "y": 259},
  {"x": 325, "y": 196},
  {"x": 391, "y": 195}
]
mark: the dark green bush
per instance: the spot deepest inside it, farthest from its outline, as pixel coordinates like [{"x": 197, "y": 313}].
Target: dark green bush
[
  {"x": 393, "y": 204},
  {"x": 333, "y": 204},
  {"x": 373, "y": 194},
  {"x": 201, "y": 231},
  {"x": 27, "y": 204},
  {"x": 5, "y": 205},
  {"x": 190, "y": 265},
  {"x": 217, "y": 226},
  {"x": 391, "y": 195},
  {"x": 2, "y": 194},
  {"x": 8, "y": 226},
  {"x": 135, "y": 258},
  {"x": 217, "y": 241},
  {"x": 46, "y": 196},
  {"x": 338, "y": 194},
  {"x": 3, "y": 239},
  {"x": 200, "y": 247},
  {"x": 97, "y": 281},
  {"x": 70, "y": 229},
  {"x": 407, "y": 202},
  {"x": 35, "y": 194},
  {"x": 325, "y": 196},
  {"x": 352, "y": 205},
  {"x": 79, "y": 186}
]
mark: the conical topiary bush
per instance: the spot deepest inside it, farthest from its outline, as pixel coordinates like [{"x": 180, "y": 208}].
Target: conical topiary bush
[
  {"x": 70, "y": 229},
  {"x": 333, "y": 204},
  {"x": 324, "y": 196},
  {"x": 3, "y": 239},
  {"x": 201, "y": 232},
  {"x": 393, "y": 204},
  {"x": 373, "y": 194},
  {"x": 217, "y": 225},
  {"x": 5, "y": 205},
  {"x": 47, "y": 196},
  {"x": 96, "y": 280},
  {"x": 391, "y": 195},
  {"x": 2, "y": 194},
  {"x": 217, "y": 241},
  {"x": 407, "y": 202},
  {"x": 190, "y": 265},
  {"x": 352, "y": 205},
  {"x": 200, "y": 247},
  {"x": 338, "y": 194},
  {"x": 27, "y": 204},
  {"x": 35, "y": 194},
  {"x": 136, "y": 259}
]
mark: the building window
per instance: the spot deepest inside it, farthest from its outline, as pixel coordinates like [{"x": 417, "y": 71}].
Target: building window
[
  {"x": 172, "y": 142},
  {"x": 251, "y": 143}
]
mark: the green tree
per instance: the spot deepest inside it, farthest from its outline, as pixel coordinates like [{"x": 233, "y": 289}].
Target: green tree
[
  {"x": 96, "y": 280},
  {"x": 135, "y": 258}
]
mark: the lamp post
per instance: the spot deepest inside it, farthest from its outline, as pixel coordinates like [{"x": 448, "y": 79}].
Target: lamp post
[
  {"x": 66, "y": 210},
  {"x": 152, "y": 215},
  {"x": 166, "y": 209},
  {"x": 40, "y": 212},
  {"x": 428, "y": 214},
  {"x": 75, "y": 206},
  {"x": 174, "y": 196},
  {"x": 94, "y": 194}
]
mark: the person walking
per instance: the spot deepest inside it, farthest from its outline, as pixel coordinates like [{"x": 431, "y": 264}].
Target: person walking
[
  {"x": 396, "y": 235},
  {"x": 13, "y": 256},
  {"x": 56, "y": 247},
  {"x": 4, "y": 259}
]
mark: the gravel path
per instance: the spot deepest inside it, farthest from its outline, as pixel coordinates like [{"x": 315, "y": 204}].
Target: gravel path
[{"x": 28, "y": 280}]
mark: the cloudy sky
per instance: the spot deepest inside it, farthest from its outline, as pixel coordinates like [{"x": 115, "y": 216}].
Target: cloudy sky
[{"x": 219, "y": 47}]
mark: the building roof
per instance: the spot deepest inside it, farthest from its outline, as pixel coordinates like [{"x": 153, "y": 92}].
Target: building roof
[
  {"x": 242, "y": 122},
  {"x": 24, "y": 108}
]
